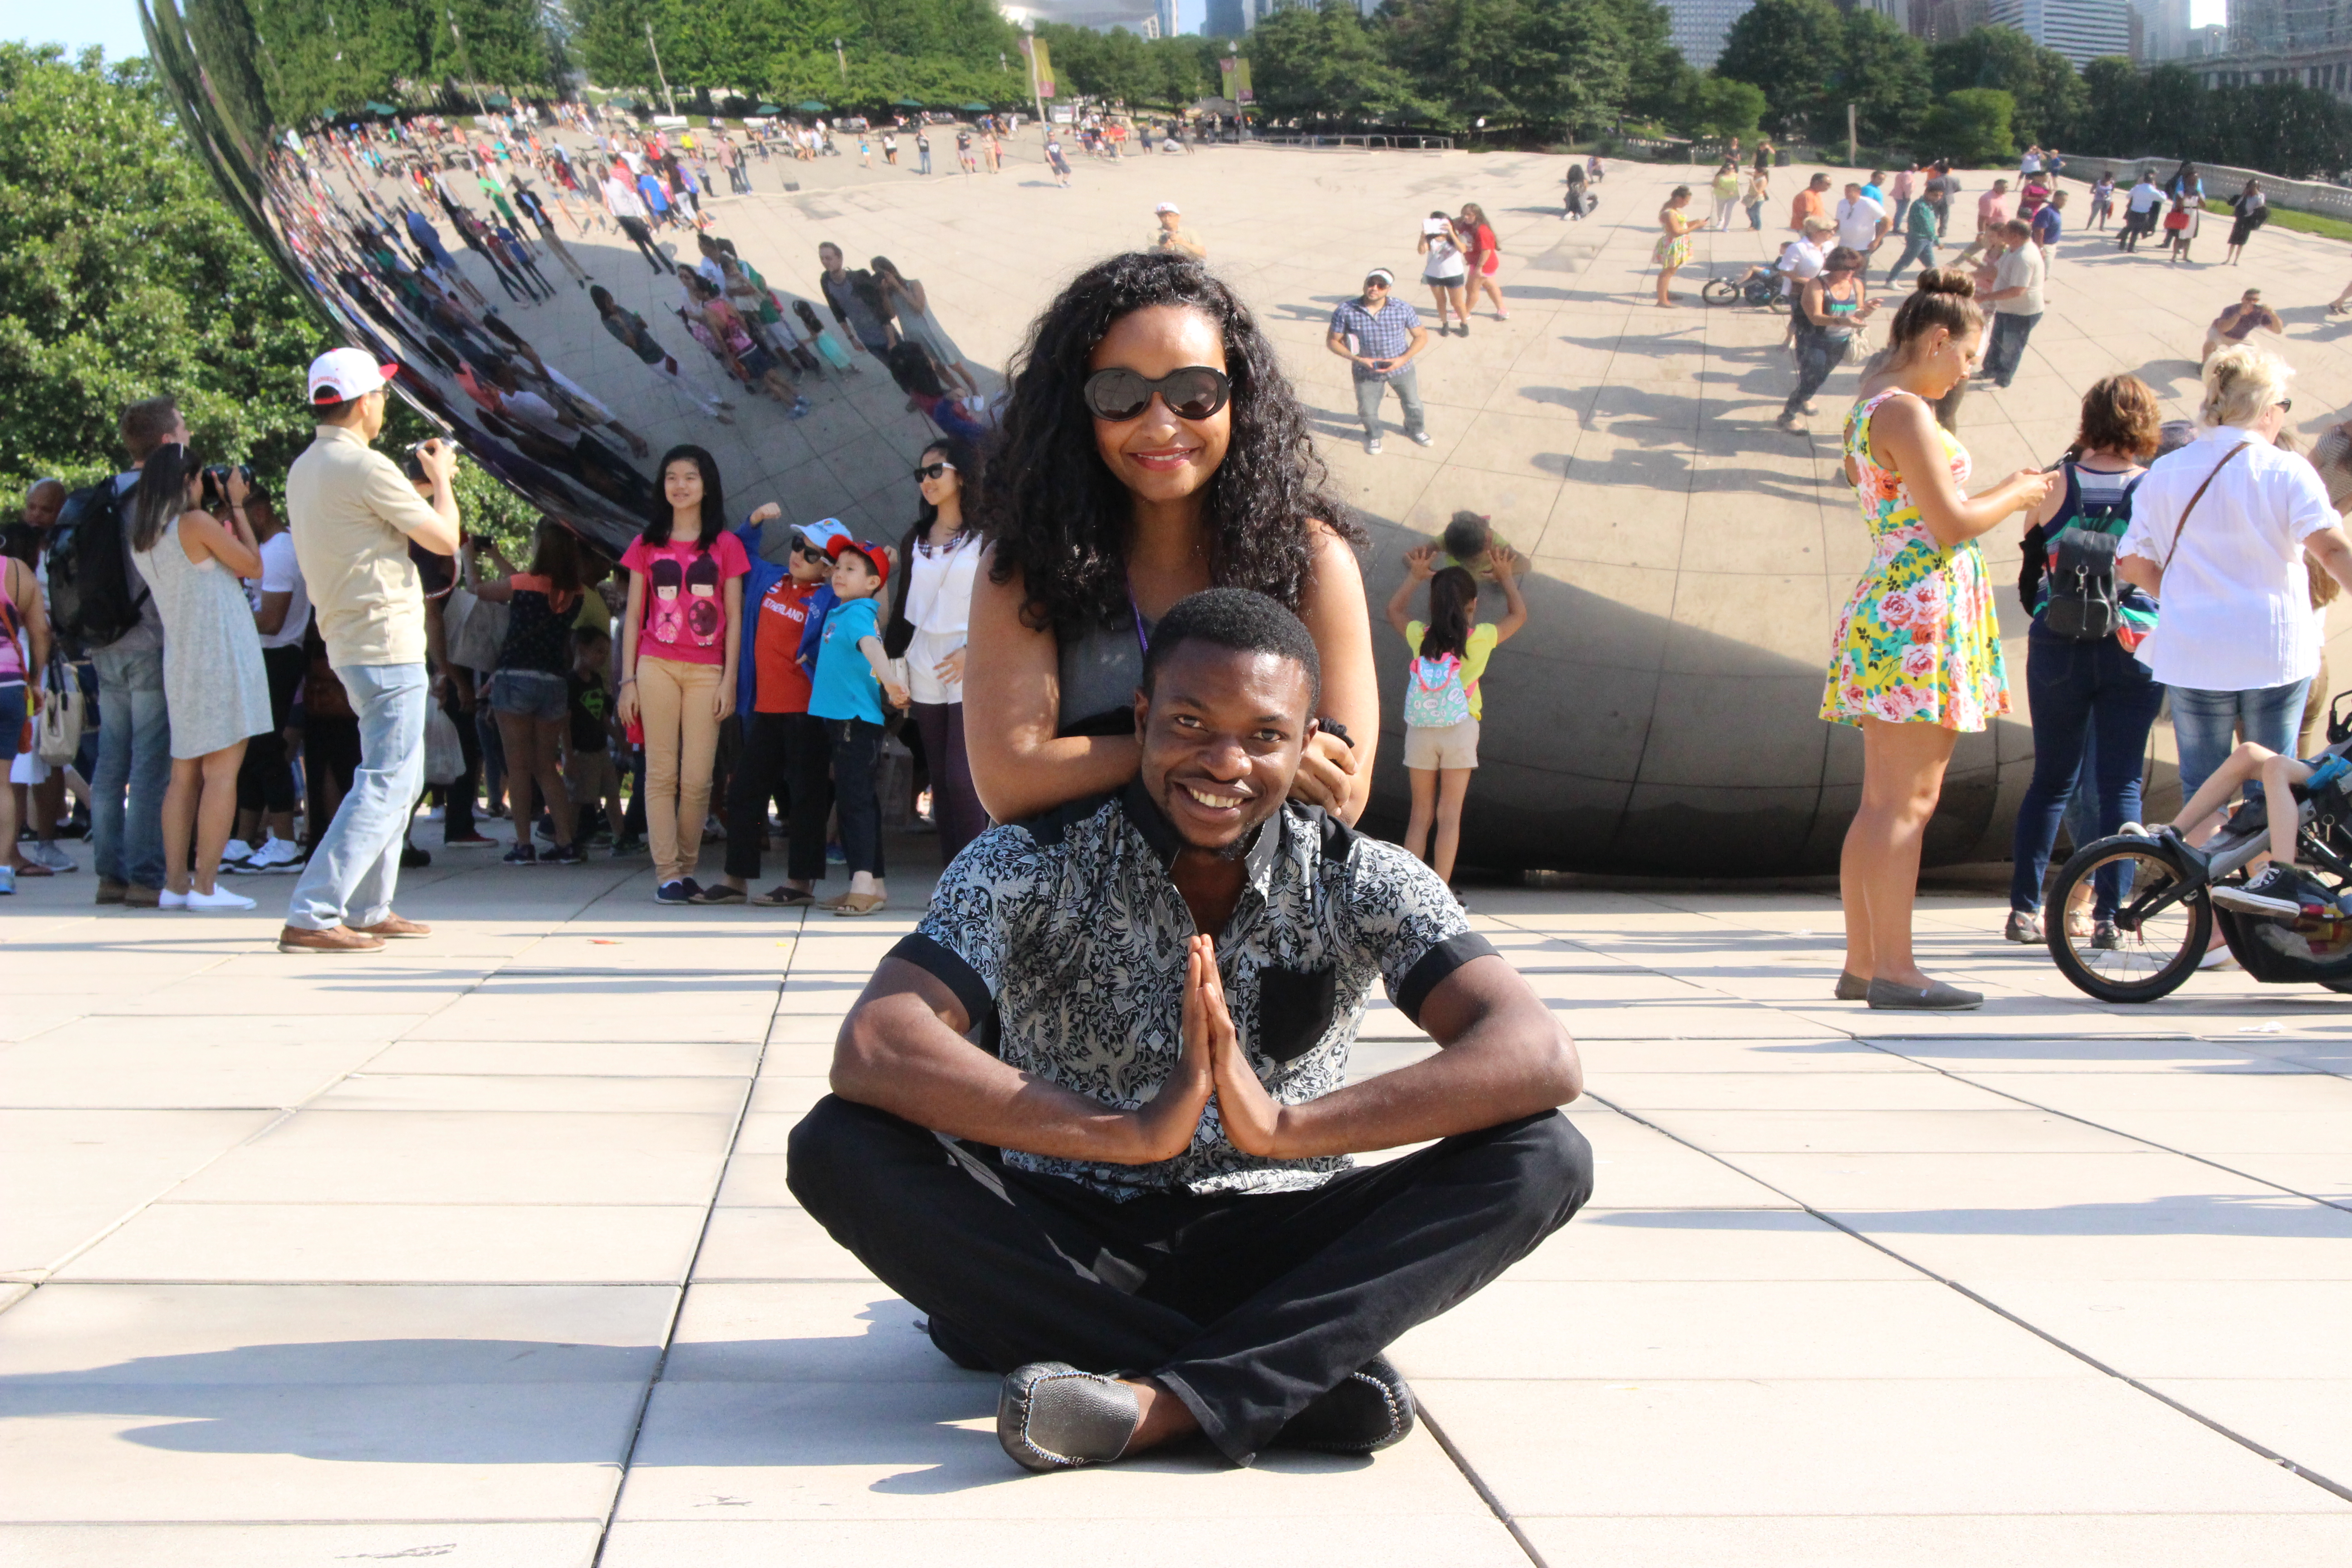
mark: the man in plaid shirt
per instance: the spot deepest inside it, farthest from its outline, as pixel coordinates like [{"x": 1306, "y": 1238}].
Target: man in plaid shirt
[{"x": 1379, "y": 338}]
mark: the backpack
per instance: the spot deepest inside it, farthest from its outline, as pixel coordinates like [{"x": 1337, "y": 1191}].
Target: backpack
[
  {"x": 2086, "y": 604},
  {"x": 94, "y": 600},
  {"x": 1434, "y": 696}
]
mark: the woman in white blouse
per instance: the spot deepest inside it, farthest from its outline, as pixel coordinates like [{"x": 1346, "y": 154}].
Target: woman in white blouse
[
  {"x": 2237, "y": 642},
  {"x": 929, "y": 614}
]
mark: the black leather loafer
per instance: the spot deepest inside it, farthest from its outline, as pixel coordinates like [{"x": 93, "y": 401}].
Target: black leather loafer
[
  {"x": 1370, "y": 1409},
  {"x": 1052, "y": 1416}
]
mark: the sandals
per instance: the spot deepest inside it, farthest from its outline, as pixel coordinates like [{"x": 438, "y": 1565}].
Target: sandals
[
  {"x": 855, "y": 906},
  {"x": 717, "y": 893},
  {"x": 784, "y": 896},
  {"x": 2024, "y": 927}
]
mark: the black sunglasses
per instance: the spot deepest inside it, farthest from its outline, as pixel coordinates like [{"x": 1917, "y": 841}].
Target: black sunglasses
[
  {"x": 810, "y": 552},
  {"x": 1195, "y": 391},
  {"x": 933, "y": 471}
]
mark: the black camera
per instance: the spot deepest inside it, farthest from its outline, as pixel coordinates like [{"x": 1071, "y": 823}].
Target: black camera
[{"x": 215, "y": 483}]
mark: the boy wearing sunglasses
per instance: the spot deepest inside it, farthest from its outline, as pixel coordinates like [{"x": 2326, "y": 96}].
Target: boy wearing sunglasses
[{"x": 1380, "y": 337}]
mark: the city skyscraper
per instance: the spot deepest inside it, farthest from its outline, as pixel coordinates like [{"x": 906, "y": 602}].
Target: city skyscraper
[
  {"x": 1227, "y": 19},
  {"x": 1167, "y": 11},
  {"x": 1698, "y": 28},
  {"x": 2082, "y": 30}
]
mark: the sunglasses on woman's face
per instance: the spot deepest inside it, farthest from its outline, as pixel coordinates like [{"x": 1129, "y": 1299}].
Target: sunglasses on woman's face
[
  {"x": 1118, "y": 394},
  {"x": 933, "y": 471}
]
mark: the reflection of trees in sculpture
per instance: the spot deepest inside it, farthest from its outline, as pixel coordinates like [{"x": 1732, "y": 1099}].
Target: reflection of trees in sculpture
[
  {"x": 287, "y": 62},
  {"x": 937, "y": 50}
]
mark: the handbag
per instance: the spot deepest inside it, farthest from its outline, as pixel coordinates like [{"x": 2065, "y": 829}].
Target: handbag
[
  {"x": 445, "y": 758},
  {"x": 2174, "y": 548},
  {"x": 64, "y": 714},
  {"x": 2177, "y": 219}
]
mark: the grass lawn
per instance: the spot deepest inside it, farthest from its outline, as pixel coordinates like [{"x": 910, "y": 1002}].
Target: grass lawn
[{"x": 2312, "y": 223}]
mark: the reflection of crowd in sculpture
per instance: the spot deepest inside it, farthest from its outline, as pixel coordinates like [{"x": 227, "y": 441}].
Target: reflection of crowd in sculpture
[{"x": 383, "y": 242}]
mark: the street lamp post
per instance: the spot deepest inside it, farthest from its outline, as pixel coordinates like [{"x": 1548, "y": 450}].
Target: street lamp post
[
  {"x": 467, "y": 66},
  {"x": 843, "y": 60}
]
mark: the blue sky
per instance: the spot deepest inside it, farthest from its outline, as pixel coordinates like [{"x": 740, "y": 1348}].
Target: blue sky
[{"x": 114, "y": 24}]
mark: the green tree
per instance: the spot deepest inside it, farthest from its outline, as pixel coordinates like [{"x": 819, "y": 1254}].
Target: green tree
[
  {"x": 2117, "y": 104},
  {"x": 125, "y": 276},
  {"x": 1883, "y": 72},
  {"x": 1791, "y": 48},
  {"x": 1319, "y": 65},
  {"x": 2049, "y": 98},
  {"x": 1970, "y": 127},
  {"x": 1721, "y": 107}
]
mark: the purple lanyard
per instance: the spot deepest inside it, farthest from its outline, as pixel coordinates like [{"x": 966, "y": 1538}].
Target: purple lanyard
[{"x": 1142, "y": 640}]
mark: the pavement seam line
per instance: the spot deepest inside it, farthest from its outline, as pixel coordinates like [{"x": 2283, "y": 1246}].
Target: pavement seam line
[
  {"x": 2313, "y": 1476},
  {"x": 701, "y": 1238},
  {"x": 1478, "y": 1485}
]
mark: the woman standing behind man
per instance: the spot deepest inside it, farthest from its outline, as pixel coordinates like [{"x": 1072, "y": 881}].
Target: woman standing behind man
[
  {"x": 1916, "y": 656},
  {"x": 215, "y": 684},
  {"x": 532, "y": 690},
  {"x": 681, "y": 635},
  {"x": 930, "y": 615}
]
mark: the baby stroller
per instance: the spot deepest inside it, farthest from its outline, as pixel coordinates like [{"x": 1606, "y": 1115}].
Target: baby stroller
[{"x": 1757, "y": 285}]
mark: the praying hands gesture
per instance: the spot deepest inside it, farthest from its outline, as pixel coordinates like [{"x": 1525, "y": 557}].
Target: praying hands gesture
[{"x": 1252, "y": 1121}]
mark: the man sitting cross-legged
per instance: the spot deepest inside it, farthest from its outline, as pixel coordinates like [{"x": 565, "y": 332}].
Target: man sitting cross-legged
[{"x": 1139, "y": 1208}]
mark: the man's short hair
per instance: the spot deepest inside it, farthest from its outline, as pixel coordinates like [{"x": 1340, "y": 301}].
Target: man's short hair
[
  {"x": 146, "y": 423},
  {"x": 1239, "y": 619}
]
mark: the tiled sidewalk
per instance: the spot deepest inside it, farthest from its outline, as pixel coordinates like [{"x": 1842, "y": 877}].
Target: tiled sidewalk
[{"x": 479, "y": 1249}]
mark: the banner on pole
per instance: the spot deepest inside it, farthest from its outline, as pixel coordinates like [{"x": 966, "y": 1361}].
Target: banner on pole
[
  {"x": 1235, "y": 74},
  {"x": 1041, "y": 65}
]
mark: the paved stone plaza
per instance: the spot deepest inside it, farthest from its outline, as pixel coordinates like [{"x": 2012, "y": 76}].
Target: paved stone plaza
[{"x": 479, "y": 1249}]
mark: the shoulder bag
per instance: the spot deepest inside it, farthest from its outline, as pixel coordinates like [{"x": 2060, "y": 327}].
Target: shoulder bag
[{"x": 2183, "y": 523}]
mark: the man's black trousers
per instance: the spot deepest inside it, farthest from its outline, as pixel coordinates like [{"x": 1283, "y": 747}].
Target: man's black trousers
[{"x": 1248, "y": 1305}]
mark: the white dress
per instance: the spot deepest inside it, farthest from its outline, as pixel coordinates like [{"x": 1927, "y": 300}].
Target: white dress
[
  {"x": 939, "y": 605},
  {"x": 215, "y": 687}
]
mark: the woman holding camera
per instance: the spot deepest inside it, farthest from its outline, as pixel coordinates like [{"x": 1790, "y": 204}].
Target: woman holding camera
[{"x": 215, "y": 684}]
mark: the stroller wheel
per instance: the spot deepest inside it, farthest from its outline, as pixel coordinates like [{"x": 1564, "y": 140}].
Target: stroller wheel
[{"x": 1719, "y": 291}]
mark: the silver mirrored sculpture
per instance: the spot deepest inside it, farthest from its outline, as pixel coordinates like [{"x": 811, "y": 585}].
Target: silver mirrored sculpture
[{"x": 469, "y": 239}]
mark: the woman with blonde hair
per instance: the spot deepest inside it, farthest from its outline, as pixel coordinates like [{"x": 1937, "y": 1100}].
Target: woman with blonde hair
[
  {"x": 2093, "y": 702},
  {"x": 1916, "y": 655},
  {"x": 2218, "y": 533}
]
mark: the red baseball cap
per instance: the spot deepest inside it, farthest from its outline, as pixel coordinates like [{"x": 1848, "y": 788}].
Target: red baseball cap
[{"x": 876, "y": 556}]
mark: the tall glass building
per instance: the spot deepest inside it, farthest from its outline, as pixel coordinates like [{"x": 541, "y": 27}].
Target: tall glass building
[
  {"x": 2082, "y": 30},
  {"x": 1700, "y": 27}
]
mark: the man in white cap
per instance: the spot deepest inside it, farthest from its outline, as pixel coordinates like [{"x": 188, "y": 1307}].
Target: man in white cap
[
  {"x": 1172, "y": 236},
  {"x": 353, "y": 516}
]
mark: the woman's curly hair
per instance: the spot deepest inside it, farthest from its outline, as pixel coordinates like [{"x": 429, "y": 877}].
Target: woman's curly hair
[{"x": 1057, "y": 514}]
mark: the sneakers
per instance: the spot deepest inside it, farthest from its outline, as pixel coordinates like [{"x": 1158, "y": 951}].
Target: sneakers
[
  {"x": 48, "y": 855},
  {"x": 625, "y": 847},
  {"x": 2024, "y": 927},
  {"x": 1371, "y": 446},
  {"x": 1421, "y": 437},
  {"x": 277, "y": 857},
  {"x": 563, "y": 855},
  {"x": 167, "y": 899},
  {"x": 7, "y": 879},
  {"x": 520, "y": 854},
  {"x": 219, "y": 901},
  {"x": 2285, "y": 892},
  {"x": 234, "y": 855},
  {"x": 677, "y": 892}
]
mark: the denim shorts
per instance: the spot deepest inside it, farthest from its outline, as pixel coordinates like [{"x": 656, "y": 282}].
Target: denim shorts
[
  {"x": 530, "y": 694},
  {"x": 15, "y": 706}
]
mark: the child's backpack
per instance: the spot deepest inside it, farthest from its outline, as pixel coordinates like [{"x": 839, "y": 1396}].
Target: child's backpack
[{"x": 1434, "y": 696}]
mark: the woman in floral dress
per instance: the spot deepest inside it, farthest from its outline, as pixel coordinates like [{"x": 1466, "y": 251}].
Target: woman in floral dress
[
  {"x": 1916, "y": 657},
  {"x": 1674, "y": 247}
]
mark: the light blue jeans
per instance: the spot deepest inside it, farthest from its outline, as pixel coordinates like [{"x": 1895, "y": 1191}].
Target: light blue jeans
[
  {"x": 134, "y": 754},
  {"x": 2205, "y": 726},
  {"x": 351, "y": 873},
  {"x": 1405, "y": 382}
]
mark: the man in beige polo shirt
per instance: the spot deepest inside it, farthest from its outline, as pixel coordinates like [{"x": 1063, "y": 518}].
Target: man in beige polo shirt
[{"x": 353, "y": 516}]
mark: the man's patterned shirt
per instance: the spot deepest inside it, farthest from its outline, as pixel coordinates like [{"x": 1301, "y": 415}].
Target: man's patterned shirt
[{"x": 1070, "y": 930}]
